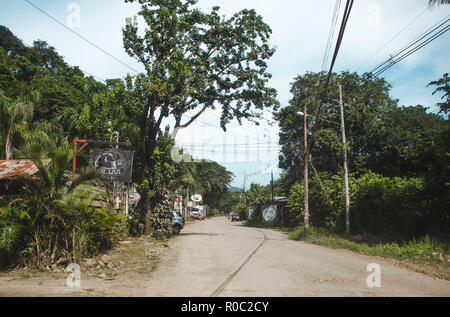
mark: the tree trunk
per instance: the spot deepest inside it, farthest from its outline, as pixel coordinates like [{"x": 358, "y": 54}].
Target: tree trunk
[
  {"x": 8, "y": 153},
  {"x": 148, "y": 147}
]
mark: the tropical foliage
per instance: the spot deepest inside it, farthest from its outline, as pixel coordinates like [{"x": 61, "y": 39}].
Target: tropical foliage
[{"x": 398, "y": 157}]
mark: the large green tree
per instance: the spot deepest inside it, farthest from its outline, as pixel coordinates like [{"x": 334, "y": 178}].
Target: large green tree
[
  {"x": 194, "y": 61},
  {"x": 63, "y": 89},
  {"x": 367, "y": 105},
  {"x": 12, "y": 113}
]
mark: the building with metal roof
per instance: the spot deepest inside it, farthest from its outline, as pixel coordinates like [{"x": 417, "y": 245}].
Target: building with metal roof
[{"x": 11, "y": 168}]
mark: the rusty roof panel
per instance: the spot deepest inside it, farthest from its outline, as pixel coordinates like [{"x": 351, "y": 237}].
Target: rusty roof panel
[{"x": 11, "y": 168}]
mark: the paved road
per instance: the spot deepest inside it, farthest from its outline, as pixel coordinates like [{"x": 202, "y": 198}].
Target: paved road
[{"x": 220, "y": 258}]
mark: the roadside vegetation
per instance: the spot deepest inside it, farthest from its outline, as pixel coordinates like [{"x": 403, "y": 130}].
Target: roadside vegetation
[
  {"x": 425, "y": 255},
  {"x": 48, "y": 219},
  {"x": 196, "y": 61},
  {"x": 399, "y": 171}
]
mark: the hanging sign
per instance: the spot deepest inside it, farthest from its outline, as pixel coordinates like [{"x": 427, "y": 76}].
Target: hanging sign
[
  {"x": 269, "y": 213},
  {"x": 196, "y": 198},
  {"x": 113, "y": 164}
]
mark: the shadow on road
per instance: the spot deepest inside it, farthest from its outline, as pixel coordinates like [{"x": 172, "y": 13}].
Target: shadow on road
[{"x": 200, "y": 234}]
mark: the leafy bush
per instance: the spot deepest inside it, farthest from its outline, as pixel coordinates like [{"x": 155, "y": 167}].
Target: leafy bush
[
  {"x": 326, "y": 202},
  {"x": 388, "y": 206},
  {"x": 294, "y": 212},
  {"x": 71, "y": 228},
  {"x": 104, "y": 230},
  {"x": 135, "y": 223},
  {"x": 162, "y": 221},
  {"x": 9, "y": 236},
  {"x": 381, "y": 206}
]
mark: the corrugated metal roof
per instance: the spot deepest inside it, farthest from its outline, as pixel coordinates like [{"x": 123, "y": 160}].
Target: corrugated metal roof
[{"x": 11, "y": 168}]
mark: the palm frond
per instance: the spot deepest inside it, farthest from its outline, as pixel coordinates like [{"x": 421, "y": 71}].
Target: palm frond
[{"x": 85, "y": 177}]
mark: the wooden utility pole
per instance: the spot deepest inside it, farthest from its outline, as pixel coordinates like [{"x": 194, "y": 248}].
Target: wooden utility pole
[
  {"x": 271, "y": 185},
  {"x": 305, "y": 168},
  {"x": 344, "y": 148},
  {"x": 243, "y": 187}
]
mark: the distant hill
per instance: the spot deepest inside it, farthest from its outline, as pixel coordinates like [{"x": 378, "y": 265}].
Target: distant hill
[{"x": 234, "y": 189}]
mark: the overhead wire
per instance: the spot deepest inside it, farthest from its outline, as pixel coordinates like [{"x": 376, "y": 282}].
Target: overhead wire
[
  {"x": 258, "y": 127},
  {"x": 85, "y": 72},
  {"x": 415, "y": 49},
  {"x": 110, "y": 55},
  {"x": 416, "y": 44},
  {"x": 392, "y": 39},
  {"x": 345, "y": 17},
  {"x": 81, "y": 36},
  {"x": 414, "y": 41},
  {"x": 334, "y": 20}
]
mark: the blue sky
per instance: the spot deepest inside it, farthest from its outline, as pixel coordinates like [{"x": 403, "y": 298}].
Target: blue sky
[{"x": 300, "y": 31}]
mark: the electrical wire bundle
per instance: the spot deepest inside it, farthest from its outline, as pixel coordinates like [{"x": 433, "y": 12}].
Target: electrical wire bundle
[{"x": 424, "y": 39}]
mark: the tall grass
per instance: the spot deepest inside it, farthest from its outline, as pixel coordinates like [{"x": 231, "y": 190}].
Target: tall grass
[{"x": 424, "y": 250}]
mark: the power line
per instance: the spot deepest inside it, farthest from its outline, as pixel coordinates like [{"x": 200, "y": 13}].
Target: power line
[
  {"x": 85, "y": 72},
  {"x": 440, "y": 33},
  {"x": 94, "y": 76},
  {"x": 395, "y": 36},
  {"x": 80, "y": 36},
  {"x": 413, "y": 47},
  {"x": 262, "y": 145},
  {"x": 228, "y": 131},
  {"x": 236, "y": 126},
  {"x": 345, "y": 17},
  {"x": 413, "y": 42},
  {"x": 334, "y": 20}
]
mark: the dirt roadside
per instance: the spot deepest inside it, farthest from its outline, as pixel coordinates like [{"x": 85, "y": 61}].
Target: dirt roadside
[
  {"x": 216, "y": 257},
  {"x": 121, "y": 272}
]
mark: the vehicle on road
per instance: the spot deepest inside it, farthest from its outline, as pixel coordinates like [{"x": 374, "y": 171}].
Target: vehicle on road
[
  {"x": 177, "y": 221},
  {"x": 234, "y": 216},
  {"x": 198, "y": 213}
]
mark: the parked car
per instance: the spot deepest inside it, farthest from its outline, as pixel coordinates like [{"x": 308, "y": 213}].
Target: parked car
[
  {"x": 177, "y": 221},
  {"x": 234, "y": 216}
]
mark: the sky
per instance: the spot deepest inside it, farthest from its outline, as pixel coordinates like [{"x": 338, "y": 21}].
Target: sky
[{"x": 300, "y": 33}]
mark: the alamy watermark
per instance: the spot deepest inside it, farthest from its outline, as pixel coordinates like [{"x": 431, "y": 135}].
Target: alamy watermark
[
  {"x": 74, "y": 18},
  {"x": 374, "y": 15},
  {"x": 374, "y": 278},
  {"x": 73, "y": 280}
]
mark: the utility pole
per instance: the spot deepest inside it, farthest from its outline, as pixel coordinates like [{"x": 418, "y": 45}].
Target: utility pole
[
  {"x": 347, "y": 194},
  {"x": 243, "y": 188},
  {"x": 271, "y": 184},
  {"x": 305, "y": 170}
]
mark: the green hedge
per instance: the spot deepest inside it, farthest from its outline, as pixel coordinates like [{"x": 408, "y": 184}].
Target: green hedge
[
  {"x": 381, "y": 206},
  {"x": 388, "y": 206}
]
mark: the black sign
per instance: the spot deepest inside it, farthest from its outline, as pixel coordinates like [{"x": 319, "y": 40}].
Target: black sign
[{"x": 113, "y": 165}]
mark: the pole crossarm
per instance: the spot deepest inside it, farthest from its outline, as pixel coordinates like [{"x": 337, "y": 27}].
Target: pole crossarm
[{"x": 302, "y": 114}]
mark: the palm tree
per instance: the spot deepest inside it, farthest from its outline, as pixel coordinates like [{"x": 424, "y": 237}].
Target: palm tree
[
  {"x": 75, "y": 214},
  {"x": 12, "y": 112},
  {"x": 38, "y": 208},
  {"x": 443, "y": 85}
]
